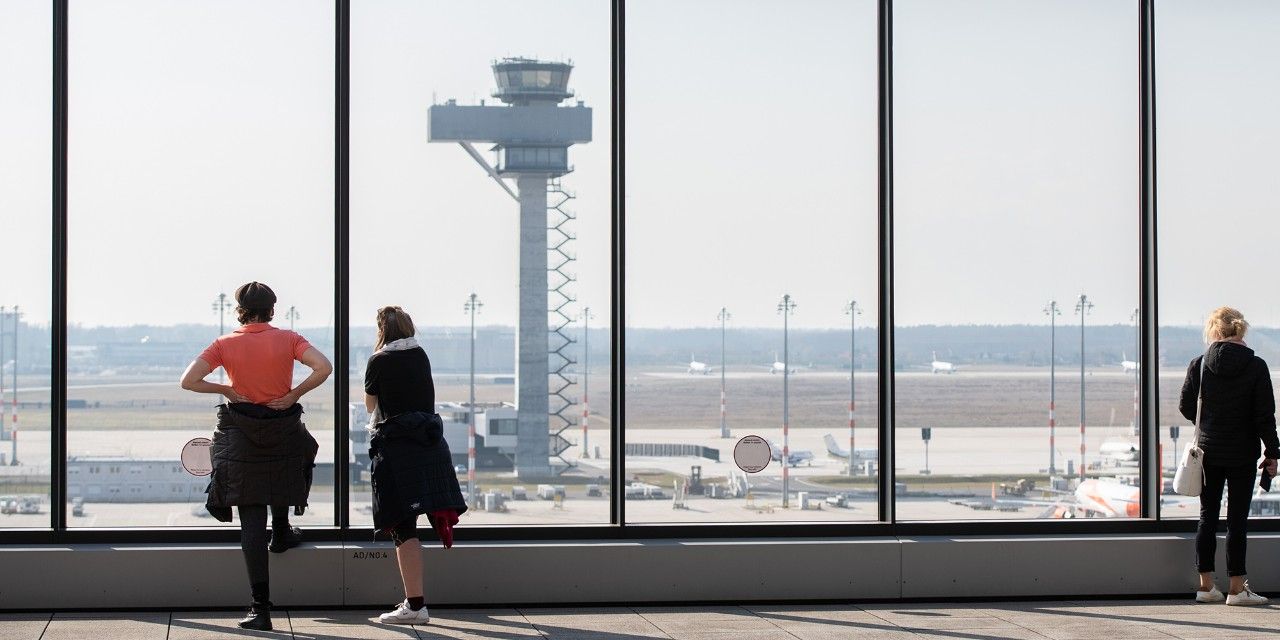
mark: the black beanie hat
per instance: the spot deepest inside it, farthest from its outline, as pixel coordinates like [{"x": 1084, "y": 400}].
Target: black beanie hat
[{"x": 255, "y": 295}]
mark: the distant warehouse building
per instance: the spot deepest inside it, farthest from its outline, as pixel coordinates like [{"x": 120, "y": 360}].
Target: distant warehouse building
[{"x": 123, "y": 479}]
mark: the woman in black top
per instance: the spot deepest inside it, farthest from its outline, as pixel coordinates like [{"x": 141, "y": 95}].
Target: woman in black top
[
  {"x": 397, "y": 380},
  {"x": 1237, "y": 412}
]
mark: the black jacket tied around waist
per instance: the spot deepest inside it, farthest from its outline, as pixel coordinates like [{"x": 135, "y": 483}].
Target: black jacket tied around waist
[
  {"x": 260, "y": 457},
  {"x": 411, "y": 469}
]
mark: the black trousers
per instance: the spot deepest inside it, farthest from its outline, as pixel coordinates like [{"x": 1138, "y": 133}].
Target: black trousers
[
  {"x": 1239, "y": 481},
  {"x": 254, "y": 538}
]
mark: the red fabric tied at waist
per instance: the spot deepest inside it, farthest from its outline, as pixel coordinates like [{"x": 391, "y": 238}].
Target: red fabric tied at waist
[{"x": 443, "y": 521}]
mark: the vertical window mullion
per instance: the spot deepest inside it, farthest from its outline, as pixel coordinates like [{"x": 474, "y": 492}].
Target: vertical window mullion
[
  {"x": 58, "y": 321},
  {"x": 885, "y": 334},
  {"x": 1148, "y": 368},
  {"x": 341, "y": 207},
  {"x": 617, "y": 412}
]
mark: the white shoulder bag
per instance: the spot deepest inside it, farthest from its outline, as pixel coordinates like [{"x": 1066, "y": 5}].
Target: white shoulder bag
[{"x": 1189, "y": 479}]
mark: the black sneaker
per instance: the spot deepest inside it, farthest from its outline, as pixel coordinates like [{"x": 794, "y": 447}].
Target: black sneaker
[
  {"x": 259, "y": 618},
  {"x": 283, "y": 540}
]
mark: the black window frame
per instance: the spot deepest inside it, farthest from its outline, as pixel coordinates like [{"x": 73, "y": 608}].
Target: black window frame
[{"x": 618, "y": 527}]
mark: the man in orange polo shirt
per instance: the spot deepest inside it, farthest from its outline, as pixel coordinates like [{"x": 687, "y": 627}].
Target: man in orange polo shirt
[{"x": 262, "y": 453}]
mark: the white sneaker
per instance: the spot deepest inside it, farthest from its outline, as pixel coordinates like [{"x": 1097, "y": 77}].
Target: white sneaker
[
  {"x": 402, "y": 614},
  {"x": 1212, "y": 595},
  {"x": 1246, "y": 598}
]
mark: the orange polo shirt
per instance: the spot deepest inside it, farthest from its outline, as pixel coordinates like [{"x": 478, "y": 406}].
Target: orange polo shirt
[{"x": 258, "y": 359}]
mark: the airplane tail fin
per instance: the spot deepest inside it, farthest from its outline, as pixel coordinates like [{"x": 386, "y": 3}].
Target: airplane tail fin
[{"x": 833, "y": 448}]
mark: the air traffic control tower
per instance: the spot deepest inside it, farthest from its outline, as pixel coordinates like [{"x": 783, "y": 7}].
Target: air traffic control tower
[{"x": 531, "y": 135}]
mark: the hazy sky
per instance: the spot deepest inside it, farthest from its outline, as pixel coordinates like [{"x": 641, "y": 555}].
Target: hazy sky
[{"x": 201, "y": 156}]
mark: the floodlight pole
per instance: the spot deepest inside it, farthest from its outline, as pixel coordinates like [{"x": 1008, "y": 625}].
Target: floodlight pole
[
  {"x": 1053, "y": 311},
  {"x": 1134, "y": 318},
  {"x": 1083, "y": 305},
  {"x": 853, "y": 311},
  {"x": 13, "y": 432},
  {"x": 723, "y": 316},
  {"x": 292, "y": 314},
  {"x": 786, "y": 307},
  {"x": 472, "y": 305},
  {"x": 3, "y": 315},
  {"x": 586, "y": 376}
]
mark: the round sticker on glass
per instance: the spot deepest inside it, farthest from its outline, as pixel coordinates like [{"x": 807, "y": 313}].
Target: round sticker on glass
[
  {"x": 752, "y": 454},
  {"x": 195, "y": 457}
]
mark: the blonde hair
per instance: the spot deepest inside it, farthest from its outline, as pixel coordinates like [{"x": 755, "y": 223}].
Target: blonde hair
[
  {"x": 393, "y": 324},
  {"x": 1225, "y": 323}
]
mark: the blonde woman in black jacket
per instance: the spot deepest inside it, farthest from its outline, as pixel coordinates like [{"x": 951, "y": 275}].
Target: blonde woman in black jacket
[{"x": 1236, "y": 417}]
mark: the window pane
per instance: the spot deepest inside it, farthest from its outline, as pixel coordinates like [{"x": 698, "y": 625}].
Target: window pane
[
  {"x": 429, "y": 228},
  {"x": 735, "y": 199},
  {"x": 201, "y": 158},
  {"x": 25, "y": 143},
  {"x": 1016, "y": 129},
  {"x": 1218, "y": 87}
]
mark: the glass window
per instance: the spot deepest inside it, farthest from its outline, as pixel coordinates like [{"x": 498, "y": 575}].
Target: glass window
[
  {"x": 201, "y": 158},
  {"x": 733, "y": 202},
  {"x": 1016, "y": 129},
  {"x": 25, "y": 252},
  {"x": 414, "y": 196},
  {"x": 1217, "y": 89}
]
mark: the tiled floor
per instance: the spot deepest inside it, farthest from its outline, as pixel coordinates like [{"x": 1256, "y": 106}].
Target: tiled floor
[{"x": 1099, "y": 619}]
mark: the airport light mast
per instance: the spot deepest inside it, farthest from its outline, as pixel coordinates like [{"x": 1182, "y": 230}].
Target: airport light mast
[
  {"x": 1083, "y": 305},
  {"x": 220, "y": 306},
  {"x": 723, "y": 317},
  {"x": 786, "y": 308},
  {"x": 853, "y": 311},
  {"x": 472, "y": 306},
  {"x": 1053, "y": 311},
  {"x": 13, "y": 433},
  {"x": 531, "y": 134},
  {"x": 3, "y": 314},
  {"x": 586, "y": 376},
  {"x": 291, "y": 315},
  {"x": 1134, "y": 319}
]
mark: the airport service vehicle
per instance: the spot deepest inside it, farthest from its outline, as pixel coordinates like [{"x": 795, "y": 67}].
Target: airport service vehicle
[
  {"x": 940, "y": 366},
  {"x": 794, "y": 458},
  {"x": 20, "y": 505},
  {"x": 835, "y": 450},
  {"x": 698, "y": 368}
]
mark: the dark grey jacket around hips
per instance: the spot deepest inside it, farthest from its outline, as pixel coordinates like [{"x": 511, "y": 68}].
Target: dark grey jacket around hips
[
  {"x": 412, "y": 469},
  {"x": 260, "y": 457},
  {"x": 1239, "y": 408}
]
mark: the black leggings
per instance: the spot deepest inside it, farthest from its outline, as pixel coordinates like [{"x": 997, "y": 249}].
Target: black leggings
[
  {"x": 1239, "y": 481},
  {"x": 406, "y": 530},
  {"x": 254, "y": 538}
]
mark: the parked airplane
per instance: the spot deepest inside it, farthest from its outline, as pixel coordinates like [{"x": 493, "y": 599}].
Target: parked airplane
[
  {"x": 939, "y": 366},
  {"x": 794, "y": 458},
  {"x": 778, "y": 367},
  {"x": 1119, "y": 451},
  {"x": 1107, "y": 498},
  {"x": 700, "y": 368},
  {"x": 1129, "y": 366},
  {"x": 834, "y": 449}
]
